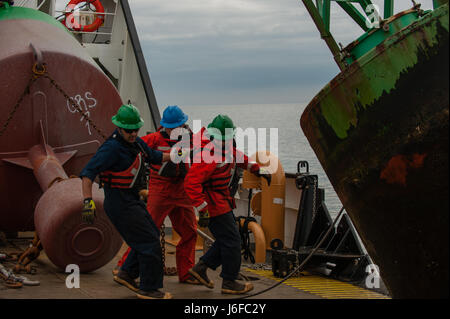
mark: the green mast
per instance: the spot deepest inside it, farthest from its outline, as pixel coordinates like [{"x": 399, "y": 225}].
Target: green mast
[
  {"x": 321, "y": 17},
  {"x": 320, "y": 12}
]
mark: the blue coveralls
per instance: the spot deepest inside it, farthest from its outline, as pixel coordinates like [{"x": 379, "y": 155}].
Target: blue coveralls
[{"x": 128, "y": 213}]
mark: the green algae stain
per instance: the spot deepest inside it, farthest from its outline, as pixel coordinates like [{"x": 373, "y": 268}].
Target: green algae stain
[{"x": 379, "y": 71}]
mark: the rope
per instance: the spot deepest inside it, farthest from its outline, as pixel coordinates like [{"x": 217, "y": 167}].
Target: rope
[
  {"x": 244, "y": 232},
  {"x": 245, "y": 238}
]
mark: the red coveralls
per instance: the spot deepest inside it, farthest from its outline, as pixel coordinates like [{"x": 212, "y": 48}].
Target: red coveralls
[
  {"x": 208, "y": 185},
  {"x": 166, "y": 197}
]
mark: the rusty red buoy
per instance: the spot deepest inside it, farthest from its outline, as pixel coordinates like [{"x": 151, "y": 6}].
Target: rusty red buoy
[
  {"x": 65, "y": 238},
  {"x": 44, "y": 138}
]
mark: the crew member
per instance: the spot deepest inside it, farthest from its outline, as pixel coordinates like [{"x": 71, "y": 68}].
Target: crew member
[
  {"x": 166, "y": 196},
  {"x": 207, "y": 185},
  {"x": 120, "y": 164}
]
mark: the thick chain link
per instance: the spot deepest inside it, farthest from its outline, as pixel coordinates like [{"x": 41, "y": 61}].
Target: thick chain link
[
  {"x": 168, "y": 271},
  {"x": 314, "y": 208},
  {"x": 39, "y": 72},
  {"x": 163, "y": 244}
]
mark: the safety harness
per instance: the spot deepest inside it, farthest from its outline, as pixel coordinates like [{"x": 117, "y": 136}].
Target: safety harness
[
  {"x": 221, "y": 180},
  {"x": 123, "y": 179},
  {"x": 169, "y": 168},
  {"x": 134, "y": 176}
]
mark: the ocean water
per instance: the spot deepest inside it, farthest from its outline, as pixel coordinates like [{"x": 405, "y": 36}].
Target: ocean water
[{"x": 292, "y": 143}]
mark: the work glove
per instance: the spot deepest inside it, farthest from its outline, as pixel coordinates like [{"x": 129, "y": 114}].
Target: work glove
[
  {"x": 88, "y": 212},
  {"x": 264, "y": 173},
  {"x": 203, "y": 220}
]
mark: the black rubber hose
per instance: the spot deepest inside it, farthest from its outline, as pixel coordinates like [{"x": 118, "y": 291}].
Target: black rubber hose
[{"x": 300, "y": 267}]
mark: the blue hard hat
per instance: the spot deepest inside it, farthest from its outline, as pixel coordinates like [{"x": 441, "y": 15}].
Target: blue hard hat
[{"x": 173, "y": 116}]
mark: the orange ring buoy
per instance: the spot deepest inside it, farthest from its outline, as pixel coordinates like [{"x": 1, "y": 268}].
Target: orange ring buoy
[{"x": 86, "y": 28}]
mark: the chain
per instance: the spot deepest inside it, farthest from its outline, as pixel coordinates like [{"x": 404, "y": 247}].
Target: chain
[
  {"x": 76, "y": 106},
  {"x": 168, "y": 271},
  {"x": 163, "y": 244},
  {"x": 297, "y": 272},
  {"x": 42, "y": 72},
  {"x": 314, "y": 208},
  {"x": 13, "y": 111},
  {"x": 258, "y": 266}
]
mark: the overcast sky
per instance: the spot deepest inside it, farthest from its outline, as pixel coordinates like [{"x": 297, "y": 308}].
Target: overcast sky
[
  {"x": 220, "y": 52},
  {"x": 206, "y": 52}
]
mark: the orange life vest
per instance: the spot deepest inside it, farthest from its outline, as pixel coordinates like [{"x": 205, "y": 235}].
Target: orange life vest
[
  {"x": 220, "y": 180},
  {"x": 208, "y": 180},
  {"x": 123, "y": 179},
  {"x": 167, "y": 169}
]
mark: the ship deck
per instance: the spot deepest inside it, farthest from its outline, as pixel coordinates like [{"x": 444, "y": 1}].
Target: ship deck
[{"x": 99, "y": 284}]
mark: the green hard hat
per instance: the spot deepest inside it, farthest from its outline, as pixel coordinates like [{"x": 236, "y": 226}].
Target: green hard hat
[
  {"x": 128, "y": 117},
  {"x": 219, "y": 125}
]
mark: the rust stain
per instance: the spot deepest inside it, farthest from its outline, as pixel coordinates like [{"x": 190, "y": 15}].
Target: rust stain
[{"x": 396, "y": 169}]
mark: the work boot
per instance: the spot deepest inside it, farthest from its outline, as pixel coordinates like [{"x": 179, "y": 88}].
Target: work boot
[
  {"x": 191, "y": 280},
  {"x": 124, "y": 279},
  {"x": 199, "y": 273},
  {"x": 115, "y": 270},
  {"x": 233, "y": 287},
  {"x": 153, "y": 294}
]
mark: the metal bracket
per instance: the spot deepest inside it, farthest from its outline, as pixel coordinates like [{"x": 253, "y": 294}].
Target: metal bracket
[
  {"x": 301, "y": 164},
  {"x": 37, "y": 54}
]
